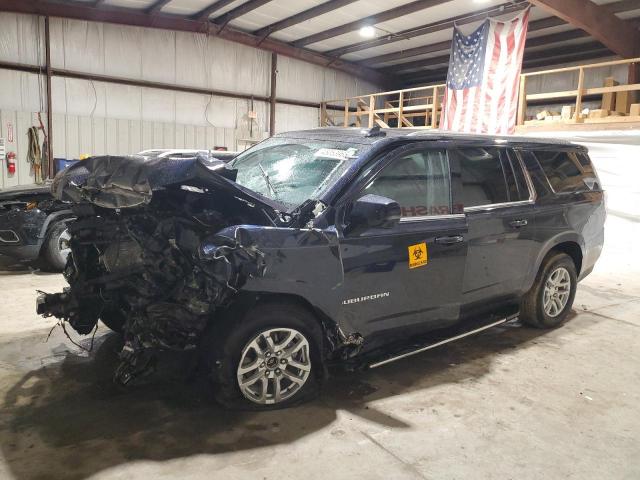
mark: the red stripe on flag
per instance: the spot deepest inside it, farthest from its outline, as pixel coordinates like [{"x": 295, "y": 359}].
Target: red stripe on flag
[{"x": 491, "y": 107}]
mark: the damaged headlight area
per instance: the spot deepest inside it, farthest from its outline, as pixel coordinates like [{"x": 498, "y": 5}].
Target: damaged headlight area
[{"x": 157, "y": 271}]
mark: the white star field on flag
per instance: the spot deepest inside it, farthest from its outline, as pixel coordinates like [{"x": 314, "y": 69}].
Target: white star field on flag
[{"x": 482, "y": 83}]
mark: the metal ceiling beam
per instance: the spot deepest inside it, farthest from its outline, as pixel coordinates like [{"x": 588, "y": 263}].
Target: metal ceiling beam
[
  {"x": 535, "y": 42},
  {"x": 618, "y": 35},
  {"x": 562, "y": 51},
  {"x": 550, "y": 22},
  {"x": 531, "y": 59},
  {"x": 544, "y": 23},
  {"x": 586, "y": 55},
  {"x": 316, "y": 11},
  {"x": 243, "y": 9},
  {"x": 531, "y": 43},
  {"x": 428, "y": 28},
  {"x": 156, "y": 6},
  {"x": 419, "y": 64},
  {"x": 622, "y": 6},
  {"x": 440, "y": 77},
  {"x": 369, "y": 21},
  {"x": 411, "y": 52},
  {"x": 206, "y": 12},
  {"x": 555, "y": 38},
  {"x": 127, "y": 16}
]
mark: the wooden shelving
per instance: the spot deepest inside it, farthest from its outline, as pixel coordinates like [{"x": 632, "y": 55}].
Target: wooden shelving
[
  {"x": 410, "y": 108},
  {"x": 420, "y": 107}
]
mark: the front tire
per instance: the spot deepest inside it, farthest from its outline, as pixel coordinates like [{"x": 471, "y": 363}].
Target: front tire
[
  {"x": 551, "y": 297},
  {"x": 269, "y": 359},
  {"x": 56, "y": 247}
]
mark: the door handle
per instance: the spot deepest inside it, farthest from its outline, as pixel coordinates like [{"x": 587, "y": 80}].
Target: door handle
[
  {"x": 449, "y": 240},
  {"x": 518, "y": 223}
]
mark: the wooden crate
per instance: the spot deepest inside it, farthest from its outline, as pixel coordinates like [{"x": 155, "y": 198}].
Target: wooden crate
[
  {"x": 624, "y": 100},
  {"x": 609, "y": 98}
]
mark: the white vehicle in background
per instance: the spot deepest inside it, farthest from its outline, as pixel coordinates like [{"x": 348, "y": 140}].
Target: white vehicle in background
[{"x": 187, "y": 153}]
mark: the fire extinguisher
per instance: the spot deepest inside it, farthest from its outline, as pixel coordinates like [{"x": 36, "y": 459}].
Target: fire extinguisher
[{"x": 11, "y": 163}]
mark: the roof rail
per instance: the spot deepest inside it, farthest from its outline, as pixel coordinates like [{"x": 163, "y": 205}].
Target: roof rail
[{"x": 375, "y": 131}]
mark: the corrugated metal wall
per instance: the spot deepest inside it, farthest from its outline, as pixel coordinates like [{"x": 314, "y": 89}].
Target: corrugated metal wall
[
  {"x": 96, "y": 117},
  {"x": 77, "y": 135}
]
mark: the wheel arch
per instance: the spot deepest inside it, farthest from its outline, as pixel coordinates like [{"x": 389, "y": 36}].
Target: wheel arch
[
  {"x": 244, "y": 301},
  {"x": 570, "y": 243},
  {"x": 573, "y": 250},
  {"x": 52, "y": 219}
]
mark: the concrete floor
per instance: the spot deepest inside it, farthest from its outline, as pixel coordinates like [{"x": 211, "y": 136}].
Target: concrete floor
[{"x": 512, "y": 402}]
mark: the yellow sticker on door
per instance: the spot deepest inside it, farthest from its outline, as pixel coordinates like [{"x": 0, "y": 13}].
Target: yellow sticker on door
[{"x": 418, "y": 255}]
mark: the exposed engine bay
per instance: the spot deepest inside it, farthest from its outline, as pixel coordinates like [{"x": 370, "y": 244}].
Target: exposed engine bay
[{"x": 157, "y": 250}]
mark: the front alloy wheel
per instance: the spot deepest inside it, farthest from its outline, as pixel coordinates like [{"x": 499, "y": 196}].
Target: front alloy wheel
[
  {"x": 57, "y": 246},
  {"x": 274, "y": 366}
]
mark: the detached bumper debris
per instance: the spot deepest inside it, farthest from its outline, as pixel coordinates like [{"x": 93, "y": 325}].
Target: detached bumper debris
[{"x": 156, "y": 250}]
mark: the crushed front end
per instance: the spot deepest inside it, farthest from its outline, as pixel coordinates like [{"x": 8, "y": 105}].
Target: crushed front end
[{"x": 151, "y": 254}]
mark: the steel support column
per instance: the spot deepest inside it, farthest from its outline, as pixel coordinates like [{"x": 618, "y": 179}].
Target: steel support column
[
  {"x": 47, "y": 50},
  {"x": 272, "y": 96}
]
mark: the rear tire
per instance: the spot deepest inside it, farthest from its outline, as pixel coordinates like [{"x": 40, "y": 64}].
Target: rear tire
[
  {"x": 56, "y": 247},
  {"x": 551, "y": 297},
  {"x": 235, "y": 345}
]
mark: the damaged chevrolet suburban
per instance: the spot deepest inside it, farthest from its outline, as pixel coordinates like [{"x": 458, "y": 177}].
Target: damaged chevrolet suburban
[{"x": 324, "y": 247}]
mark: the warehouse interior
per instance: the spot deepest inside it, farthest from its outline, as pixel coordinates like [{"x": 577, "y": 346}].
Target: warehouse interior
[{"x": 116, "y": 77}]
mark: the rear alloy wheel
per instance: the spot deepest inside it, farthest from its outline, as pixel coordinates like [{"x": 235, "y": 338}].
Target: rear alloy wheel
[
  {"x": 550, "y": 299},
  {"x": 274, "y": 366},
  {"x": 556, "y": 292}
]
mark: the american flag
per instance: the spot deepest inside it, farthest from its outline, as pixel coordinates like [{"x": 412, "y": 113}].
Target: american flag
[{"x": 481, "y": 95}]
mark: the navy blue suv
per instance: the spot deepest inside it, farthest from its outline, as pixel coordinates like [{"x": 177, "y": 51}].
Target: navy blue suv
[{"x": 324, "y": 247}]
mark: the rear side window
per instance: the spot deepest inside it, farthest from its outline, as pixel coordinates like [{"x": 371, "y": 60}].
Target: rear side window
[
  {"x": 483, "y": 179},
  {"x": 516, "y": 182},
  {"x": 567, "y": 171},
  {"x": 418, "y": 181}
]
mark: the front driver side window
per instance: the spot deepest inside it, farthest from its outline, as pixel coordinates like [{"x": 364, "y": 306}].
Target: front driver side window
[{"x": 418, "y": 181}]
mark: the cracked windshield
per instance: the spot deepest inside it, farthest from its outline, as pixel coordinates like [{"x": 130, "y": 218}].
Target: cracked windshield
[{"x": 292, "y": 171}]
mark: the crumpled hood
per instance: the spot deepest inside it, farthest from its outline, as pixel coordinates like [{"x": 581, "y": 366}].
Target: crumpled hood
[{"x": 127, "y": 181}]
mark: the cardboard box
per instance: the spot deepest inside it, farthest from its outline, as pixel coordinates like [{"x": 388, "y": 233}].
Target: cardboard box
[
  {"x": 624, "y": 100},
  {"x": 546, "y": 114},
  {"x": 609, "y": 98},
  {"x": 634, "y": 110},
  {"x": 567, "y": 112},
  {"x": 542, "y": 115},
  {"x": 598, "y": 113}
]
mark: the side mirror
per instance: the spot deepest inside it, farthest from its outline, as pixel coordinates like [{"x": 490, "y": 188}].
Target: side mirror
[{"x": 372, "y": 211}]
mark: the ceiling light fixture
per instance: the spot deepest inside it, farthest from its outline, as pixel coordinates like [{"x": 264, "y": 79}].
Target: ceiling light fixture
[{"x": 367, "y": 32}]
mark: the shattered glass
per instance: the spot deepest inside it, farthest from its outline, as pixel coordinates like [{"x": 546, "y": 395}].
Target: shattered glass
[{"x": 293, "y": 171}]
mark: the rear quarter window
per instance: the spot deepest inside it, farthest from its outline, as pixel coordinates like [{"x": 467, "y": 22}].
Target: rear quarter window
[
  {"x": 567, "y": 171},
  {"x": 482, "y": 176}
]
